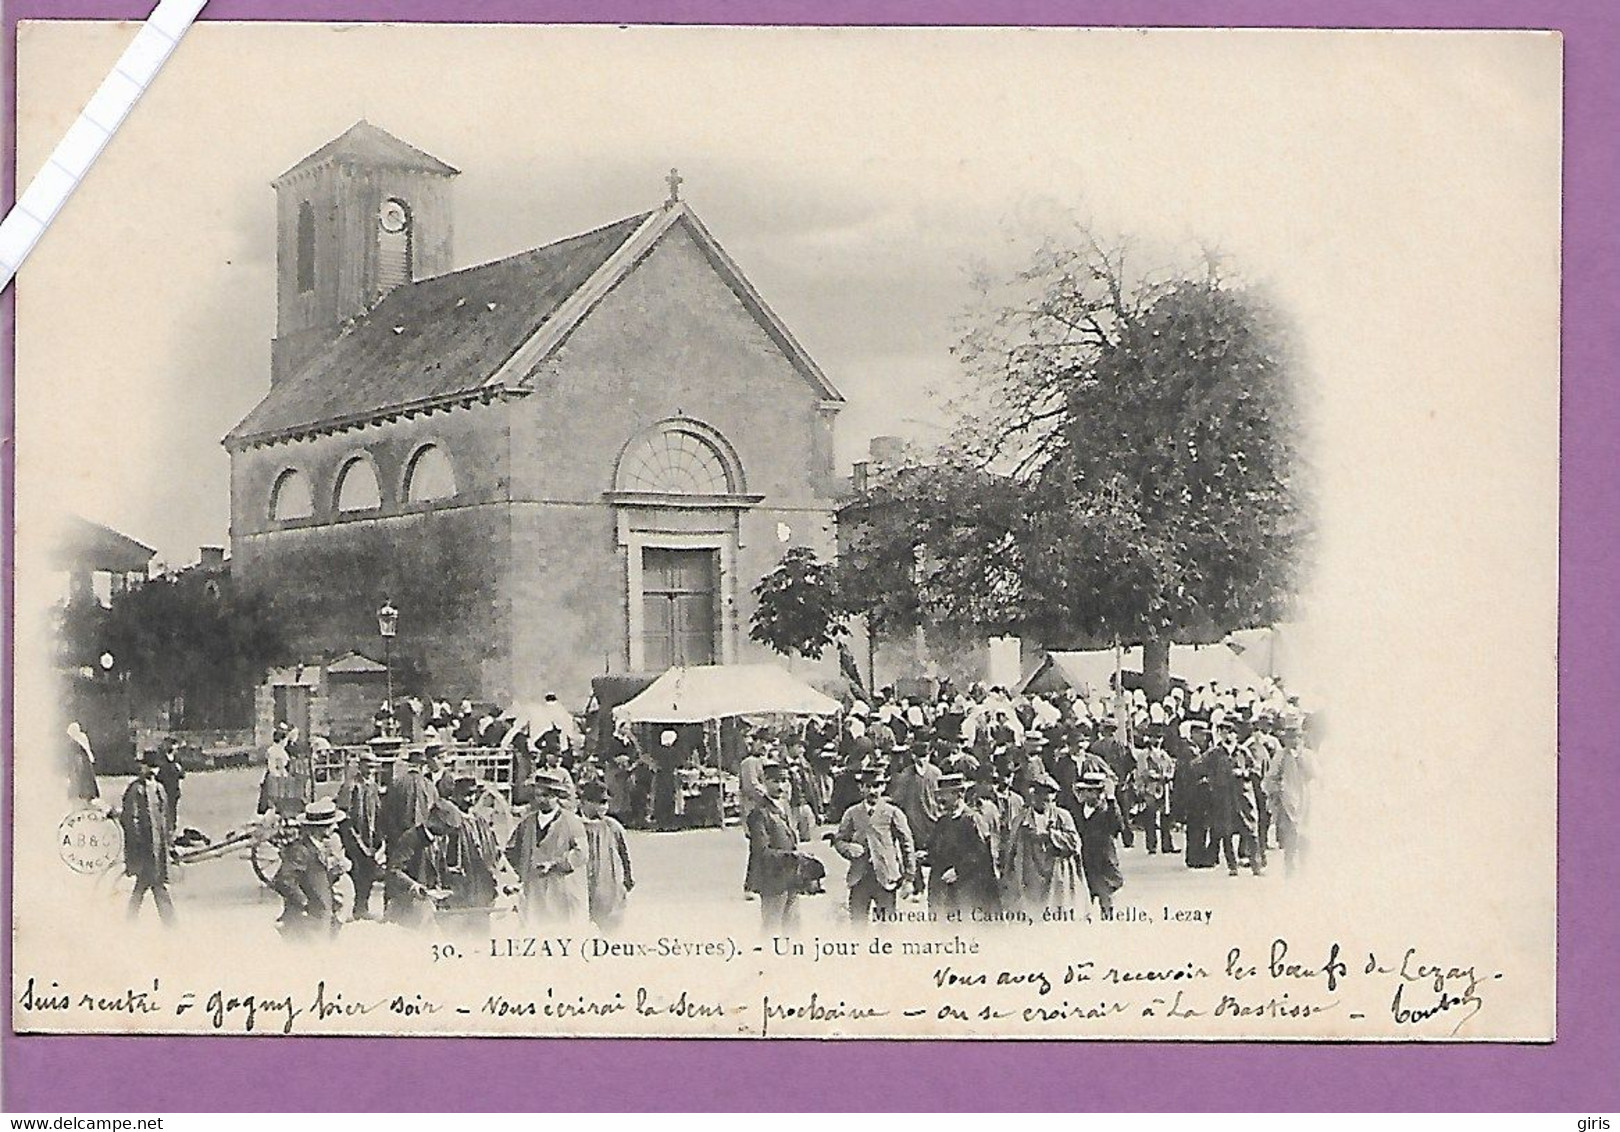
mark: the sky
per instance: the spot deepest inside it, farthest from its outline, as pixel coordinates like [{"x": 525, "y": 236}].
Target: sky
[{"x": 856, "y": 176}]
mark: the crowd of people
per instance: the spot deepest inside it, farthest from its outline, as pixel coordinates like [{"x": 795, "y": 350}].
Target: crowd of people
[
  {"x": 981, "y": 803},
  {"x": 1011, "y": 807},
  {"x": 438, "y": 859}
]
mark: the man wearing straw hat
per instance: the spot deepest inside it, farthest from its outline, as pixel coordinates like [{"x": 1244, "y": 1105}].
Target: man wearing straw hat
[
  {"x": 1098, "y": 821},
  {"x": 550, "y": 852},
  {"x": 875, "y": 839},
  {"x": 310, "y": 863}
]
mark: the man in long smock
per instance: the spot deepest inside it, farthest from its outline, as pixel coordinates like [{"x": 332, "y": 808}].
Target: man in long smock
[
  {"x": 550, "y": 853},
  {"x": 607, "y": 865},
  {"x": 1042, "y": 868}
]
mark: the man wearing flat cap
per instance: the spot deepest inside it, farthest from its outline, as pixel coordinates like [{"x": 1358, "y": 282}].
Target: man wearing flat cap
[
  {"x": 360, "y": 799},
  {"x": 472, "y": 858},
  {"x": 875, "y": 838},
  {"x": 419, "y": 866},
  {"x": 310, "y": 865},
  {"x": 550, "y": 853}
]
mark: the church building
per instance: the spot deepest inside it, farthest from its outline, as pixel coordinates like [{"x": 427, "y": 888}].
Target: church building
[{"x": 575, "y": 460}]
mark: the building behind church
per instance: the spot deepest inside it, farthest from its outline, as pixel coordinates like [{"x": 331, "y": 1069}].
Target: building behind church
[{"x": 575, "y": 460}]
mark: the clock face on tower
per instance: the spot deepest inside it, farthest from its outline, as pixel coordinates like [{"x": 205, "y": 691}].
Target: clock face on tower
[{"x": 393, "y": 217}]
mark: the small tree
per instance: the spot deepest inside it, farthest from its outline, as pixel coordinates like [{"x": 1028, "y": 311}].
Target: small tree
[{"x": 797, "y": 610}]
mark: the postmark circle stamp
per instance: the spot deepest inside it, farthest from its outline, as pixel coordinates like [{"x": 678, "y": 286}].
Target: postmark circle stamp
[{"x": 89, "y": 841}]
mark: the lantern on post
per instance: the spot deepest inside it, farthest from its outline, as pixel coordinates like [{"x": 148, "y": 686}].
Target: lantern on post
[{"x": 388, "y": 627}]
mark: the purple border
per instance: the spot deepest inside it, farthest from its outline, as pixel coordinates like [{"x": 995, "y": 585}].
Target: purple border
[{"x": 162, "y": 1074}]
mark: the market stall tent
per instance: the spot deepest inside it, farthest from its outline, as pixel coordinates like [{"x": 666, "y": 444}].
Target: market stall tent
[
  {"x": 1089, "y": 671},
  {"x": 706, "y": 692}
]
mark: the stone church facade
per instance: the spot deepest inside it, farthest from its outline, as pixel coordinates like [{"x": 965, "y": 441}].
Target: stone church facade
[{"x": 575, "y": 460}]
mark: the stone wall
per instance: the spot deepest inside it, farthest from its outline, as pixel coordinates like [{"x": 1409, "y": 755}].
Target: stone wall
[{"x": 443, "y": 565}]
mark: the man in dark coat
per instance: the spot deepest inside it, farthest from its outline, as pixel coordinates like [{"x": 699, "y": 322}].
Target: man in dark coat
[
  {"x": 1121, "y": 762},
  {"x": 408, "y": 800},
  {"x": 1234, "y": 815},
  {"x": 1190, "y": 796},
  {"x": 360, "y": 799},
  {"x": 1097, "y": 820},
  {"x": 472, "y": 860},
  {"x": 310, "y": 863},
  {"x": 169, "y": 773},
  {"x": 961, "y": 860},
  {"x": 773, "y": 853},
  {"x": 405, "y": 807},
  {"x": 419, "y": 866},
  {"x": 143, "y": 814}
]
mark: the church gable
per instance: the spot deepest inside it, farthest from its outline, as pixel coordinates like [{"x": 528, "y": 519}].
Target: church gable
[{"x": 676, "y": 230}]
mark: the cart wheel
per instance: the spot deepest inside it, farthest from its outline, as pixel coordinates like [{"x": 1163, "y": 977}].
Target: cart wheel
[{"x": 266, "y": 857}]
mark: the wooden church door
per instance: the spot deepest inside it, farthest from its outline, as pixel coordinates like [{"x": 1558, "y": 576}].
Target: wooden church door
[{"x": 678, "y": 596}]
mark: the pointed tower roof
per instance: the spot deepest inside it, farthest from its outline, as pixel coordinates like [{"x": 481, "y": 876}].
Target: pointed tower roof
[{"x": 374, "y": 146}]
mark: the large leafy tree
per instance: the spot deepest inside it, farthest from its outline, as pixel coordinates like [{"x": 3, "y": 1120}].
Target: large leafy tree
[
  {"x": 188, "y": 642},
  {"x": 1152, "y": 425}
]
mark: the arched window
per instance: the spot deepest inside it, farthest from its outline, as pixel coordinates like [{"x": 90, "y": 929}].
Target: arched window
[
  {"x": 679, "y": 458},
  {"x": 357, "y": 487},
  {"x": 306, "y": 247},
  {"x": 429, "y": 476},
  {"x": 291, "y": 497}
]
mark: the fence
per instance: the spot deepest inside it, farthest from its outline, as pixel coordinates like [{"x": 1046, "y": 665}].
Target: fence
[{"x": 493, "y": 766}]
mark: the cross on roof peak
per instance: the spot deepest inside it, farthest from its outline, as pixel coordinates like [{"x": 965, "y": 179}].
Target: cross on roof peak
[{"x": 674, "y": 181}]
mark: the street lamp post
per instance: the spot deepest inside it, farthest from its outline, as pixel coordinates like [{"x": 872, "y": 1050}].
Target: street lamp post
[{"x": 388, "y": 626}]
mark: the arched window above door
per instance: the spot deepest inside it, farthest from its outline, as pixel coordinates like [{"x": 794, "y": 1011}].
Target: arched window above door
[{"x": 679, "y": 457}]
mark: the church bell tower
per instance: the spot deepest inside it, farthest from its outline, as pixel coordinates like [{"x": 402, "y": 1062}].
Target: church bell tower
[{"x": 360, "y": 216}]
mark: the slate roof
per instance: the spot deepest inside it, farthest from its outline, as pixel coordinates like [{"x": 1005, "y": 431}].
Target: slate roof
[
  {"x": 354, "y": 664},
  {"x": 434, "y": 340},
  {"x": 83, "y": 545},
  {"x": 374, "y": 146}
]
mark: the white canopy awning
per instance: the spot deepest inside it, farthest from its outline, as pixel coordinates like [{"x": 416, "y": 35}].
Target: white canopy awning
[{"x": 718, "y": 691}]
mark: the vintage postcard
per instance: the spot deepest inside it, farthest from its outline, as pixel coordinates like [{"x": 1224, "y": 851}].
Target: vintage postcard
[{"x": 791, "y": 533}]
